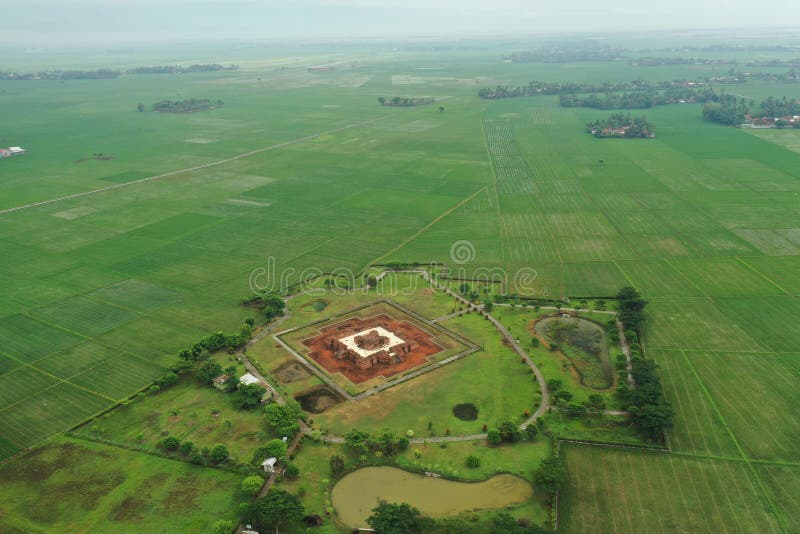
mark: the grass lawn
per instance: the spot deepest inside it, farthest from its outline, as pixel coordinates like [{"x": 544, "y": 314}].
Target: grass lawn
[
  {"x": 73, "y": 485},
  {"x": 494, "y": 379},
  {"x": 189, "y": 412}
]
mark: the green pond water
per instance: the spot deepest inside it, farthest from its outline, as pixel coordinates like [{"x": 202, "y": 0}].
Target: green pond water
[{"x": 358, "y": 493}]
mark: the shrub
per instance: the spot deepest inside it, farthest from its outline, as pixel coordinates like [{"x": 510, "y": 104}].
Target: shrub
[
  {"x": 170, "y": 443},
  {"x": 252, "y": 485},
  {"x": 473, "y": 462},
  {"x": 493, "y": 437}
]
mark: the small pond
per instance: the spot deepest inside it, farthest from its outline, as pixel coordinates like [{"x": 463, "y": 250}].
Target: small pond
[
  {"x": 355, "y": 495},
  {"x": 584, "y": 343}
]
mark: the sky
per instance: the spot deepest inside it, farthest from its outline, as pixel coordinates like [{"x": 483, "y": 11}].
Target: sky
[{"x": 53, "y": 22}]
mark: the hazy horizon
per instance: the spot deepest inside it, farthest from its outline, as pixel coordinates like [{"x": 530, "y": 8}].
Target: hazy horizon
[{"x": 108, "y": 22}]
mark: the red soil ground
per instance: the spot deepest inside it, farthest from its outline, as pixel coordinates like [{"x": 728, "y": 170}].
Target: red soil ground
[{"x": 422, "y": 346}]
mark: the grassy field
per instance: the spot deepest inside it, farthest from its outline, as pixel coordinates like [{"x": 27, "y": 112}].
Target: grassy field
[
  {"x": 79, "y": 486},
  {"x": 627, "y": 491},
  {"x": 189, "y": 412}
]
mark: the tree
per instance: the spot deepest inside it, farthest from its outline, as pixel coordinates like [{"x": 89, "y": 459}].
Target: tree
[
  {"x": 290, "y": 471},
  {"x": 535, "y": 342},
  {"x": 488, "y": 305},
  {"x": 277, "y": 510},
  {"x": 208, "y": 371},
  {"x": 631, "y": 307},
  {"x": 223, "y": 526},
  {"x": 252, "y": 485},
  {"x": 381, "y": 100},
  {"x": 186, "y": 448},
  {"x": 551, "y": 475},
  {"x": 531, "y": 430},
  {"x": 140, "y": 107},
  {"x": 282, "y": 418},
  {"x": 220, "y": 453},
  {"x": 575, "y": 409},
  {"x": 337, "y": 465},
  {"x": 248, "y": 396},
  {"x": 357, "y": 441},
  {"x": 275, "y": 448},
  {"x": 473, "y": 462},
  {"x": 441, "y": 109},
  {"x": 509, "y": 432},
  {"x": 596, "y": 402},
  {"x": 170, "y": 443},
  {"x": 493, "y": 437},
  {"x": 393, "y": 518}
]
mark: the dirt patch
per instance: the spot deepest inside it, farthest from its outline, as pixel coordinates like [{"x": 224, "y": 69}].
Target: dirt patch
[
  {"x": 466, "y": 411},
  {"x": 182, "y": 495},
  {"x": 318, "y": 399},
  {"x": 418, "y": 346},
  {"x": 291, "y": 372}
]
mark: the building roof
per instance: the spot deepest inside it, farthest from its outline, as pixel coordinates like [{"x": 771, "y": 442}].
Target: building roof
[
  {"x": 221, "y": 379},
  {"x": 16, "y": 149},
  {"x": 269, "y": 462},
  {"x": 248, "y": 379}
]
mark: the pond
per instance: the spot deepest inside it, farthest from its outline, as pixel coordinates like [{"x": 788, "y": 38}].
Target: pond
[
  {"x": 355, "y": 495},
  {"x": 584, "y": 343}
]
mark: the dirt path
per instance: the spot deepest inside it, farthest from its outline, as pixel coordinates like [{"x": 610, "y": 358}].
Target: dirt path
[{"x": 189, "y": 169}]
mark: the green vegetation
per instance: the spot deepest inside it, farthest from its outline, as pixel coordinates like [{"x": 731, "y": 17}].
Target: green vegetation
[
  {"x": 406, "y": 102},
  {"x": 102, "y": 291},
  {"x": 69, "y": 482},
  {"x": 190, "y": 105},
  {"x": 621, "y": 125}
]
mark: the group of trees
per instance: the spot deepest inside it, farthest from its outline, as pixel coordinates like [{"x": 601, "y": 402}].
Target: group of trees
[
  {"x": 779, "y": 107},
  {"x": 189, "y": 105},
  {"x": 179, "y": 69},
  {"x": 638, "y": 99},
  {"x": 506, "y": 432},
  {"x": 730, "y": 111},
  {"x": 107, "y": 74},
  {"x": 217, "y": 455},
  {"x": 645, "y": 402},
  {"x": 197, "y": 360},
  {"x": 99, "y": 74},
  {"x": 271, "y": 303},
  {"x": 565, "y": 54},
  {"x": 562, "y": 398},
  {"x": 402, "y": 518},
  {"x": 283, "y": 418},
  {"x": 621, "y": 125},
  {"x": 384, "y": 444},
  {"x": 404, "y": 101},
  {"x": 574, "y": 88}
]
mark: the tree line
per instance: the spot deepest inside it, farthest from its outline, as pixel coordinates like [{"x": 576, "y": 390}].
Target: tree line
[
  {"x": 106, "y": 74},
  {"x": 189, "y": 105},
  {"x": 640, "y": 99},
  {"x": 645, "y": 402},
  {"x": 404, "y": 101},
  {"x": 535, "y": 87}
]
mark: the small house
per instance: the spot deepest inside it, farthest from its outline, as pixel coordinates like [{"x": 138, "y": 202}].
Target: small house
[
  {"x": 220, "y": 381},
  {"x": 5, "y": 153},
  {"x": 269, "y": 465},
  {"x": 16, "y": 151}
]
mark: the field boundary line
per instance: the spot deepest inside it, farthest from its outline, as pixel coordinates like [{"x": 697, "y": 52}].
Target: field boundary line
[
  {"x": 762, "y": 275},
  {"x": 765, "y": 495},
  {"x": 191, "y": 169},
  {"x": 428, "y": 226}
]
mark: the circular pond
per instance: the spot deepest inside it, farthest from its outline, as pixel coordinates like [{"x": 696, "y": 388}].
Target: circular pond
[
  {"x": 466, "y": 411},
  {"x": 355, "y": 495}
]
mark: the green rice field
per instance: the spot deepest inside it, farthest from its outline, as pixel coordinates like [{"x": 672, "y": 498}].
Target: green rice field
[{"x": 111, "y": 265}]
